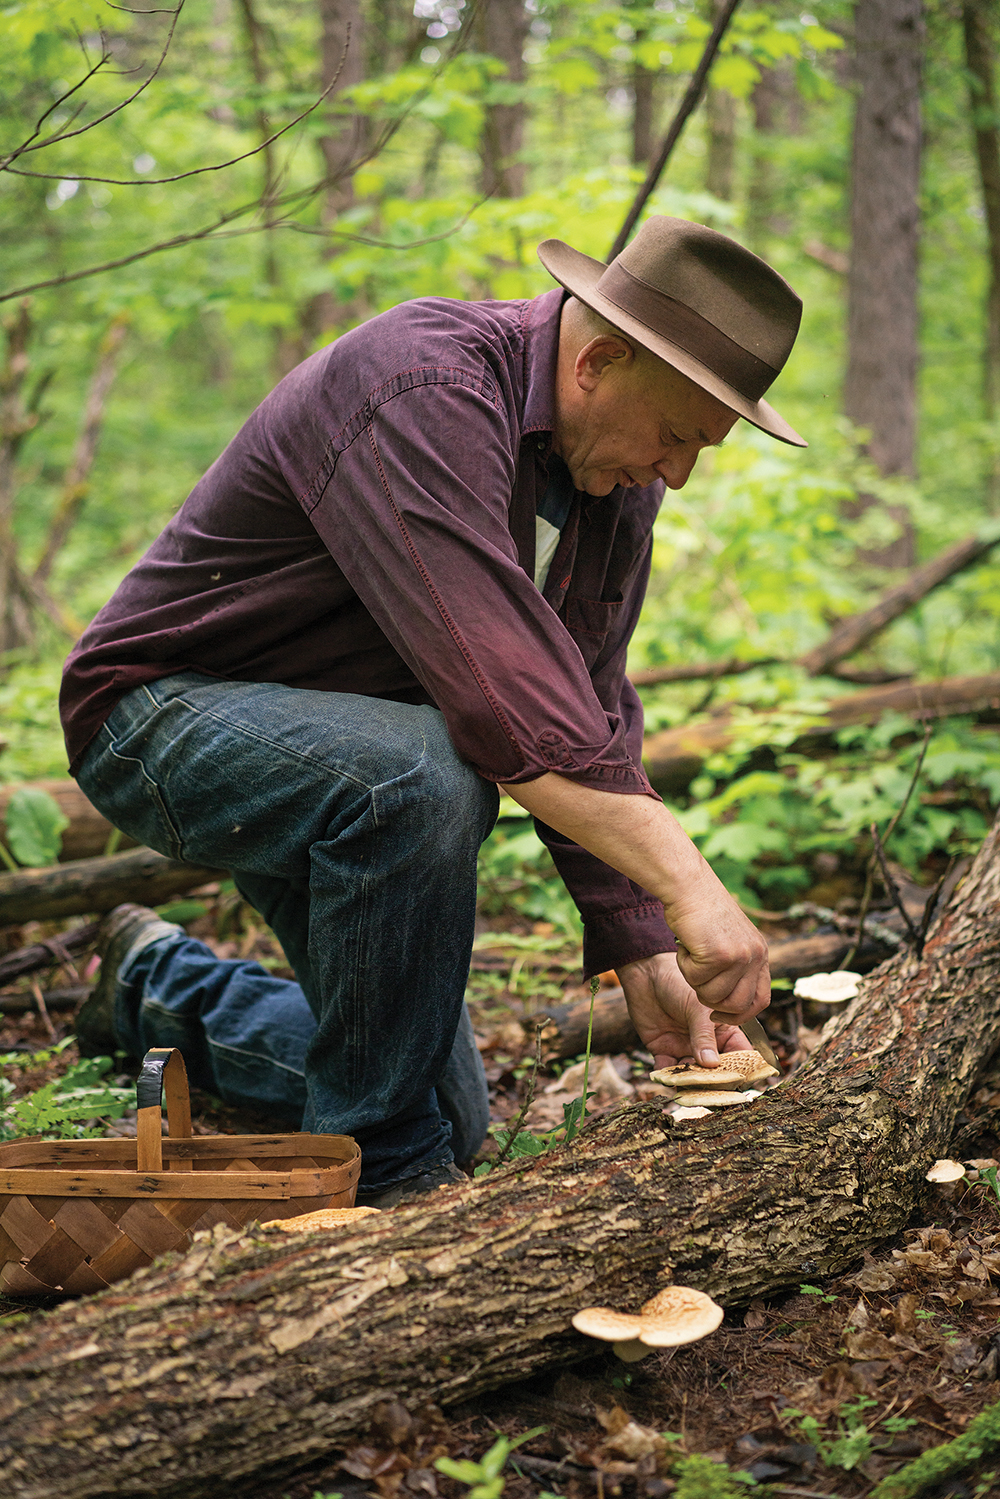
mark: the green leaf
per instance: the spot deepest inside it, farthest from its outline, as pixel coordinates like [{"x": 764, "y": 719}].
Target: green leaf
[{"x": 35, "y": 822}]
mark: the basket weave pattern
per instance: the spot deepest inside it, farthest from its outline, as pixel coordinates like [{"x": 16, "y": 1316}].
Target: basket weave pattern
[{"x": 67, "y": 1231}]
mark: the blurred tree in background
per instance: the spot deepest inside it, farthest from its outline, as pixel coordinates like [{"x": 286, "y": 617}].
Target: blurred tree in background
[{"x": 258, "y": 176}]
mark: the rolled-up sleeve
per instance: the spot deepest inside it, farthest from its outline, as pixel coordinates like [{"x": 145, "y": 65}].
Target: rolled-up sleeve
[
  {"x": 415, "y": 509},
  {"x": 622, "y": 922}
]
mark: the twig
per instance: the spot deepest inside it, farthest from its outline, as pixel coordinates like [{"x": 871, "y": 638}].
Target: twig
[
  {"x": 893, "y": 888},
  {"x": 65, "y": 135},
  {"x": 866, "y": 901},
  {"x": 692, "y": 94},
  {"x": 870, "y": 871},
  {"x": 932, "y": 901},
  {"x": 928, "y": 731},
  {"x": 529, "y": 1099},
  {"x": 217, "y": 166},
  {"x": 36, "y": 990}
]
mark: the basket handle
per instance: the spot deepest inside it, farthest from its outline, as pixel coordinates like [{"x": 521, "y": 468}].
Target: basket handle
[{"x": 163, "y": 1070}]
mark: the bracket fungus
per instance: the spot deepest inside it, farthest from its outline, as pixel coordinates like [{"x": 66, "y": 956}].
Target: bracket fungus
[
  {"x": 673, "y": 1316},
  {"x": 828, "y": 988},
  {"x": 945, "y": 1171},
  {"x": 738, "y": 1069}
]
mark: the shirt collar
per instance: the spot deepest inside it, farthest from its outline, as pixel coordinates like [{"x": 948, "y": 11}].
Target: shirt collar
[{"x": 541, "y": 349}]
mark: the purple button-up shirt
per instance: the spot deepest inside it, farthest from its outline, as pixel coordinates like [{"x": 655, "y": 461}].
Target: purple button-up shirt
[{"x": 371, "y": 529}]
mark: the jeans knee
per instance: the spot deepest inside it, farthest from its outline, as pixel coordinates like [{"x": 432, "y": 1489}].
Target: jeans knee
[{"x": 463, "y": 800}]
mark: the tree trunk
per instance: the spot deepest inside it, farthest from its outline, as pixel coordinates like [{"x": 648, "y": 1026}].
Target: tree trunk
[
  {"x": 882, "y": 313},
  {"x": 721, "y": 168},
  {"x": 77, "y": 482},
  {"x": 643, "y": 101},
  {"x": 978, "y": 21},
  {"x": 503, "y": 28},
  {"x": 249, "y": 1356},
  {"x": 765, "y": 102},
  {"x": 16, "y": 421},
  {"x": 92, "y": 885}
]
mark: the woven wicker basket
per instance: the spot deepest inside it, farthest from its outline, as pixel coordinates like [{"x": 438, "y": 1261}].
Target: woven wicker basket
[{"x": 76, "y": 1215}]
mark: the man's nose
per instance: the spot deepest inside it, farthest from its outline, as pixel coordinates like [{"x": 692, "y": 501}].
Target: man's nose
[{"x": 676, "y": 467}]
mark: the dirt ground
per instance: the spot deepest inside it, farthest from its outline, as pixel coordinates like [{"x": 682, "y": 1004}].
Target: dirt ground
[{"x": 820, "y": 1393}]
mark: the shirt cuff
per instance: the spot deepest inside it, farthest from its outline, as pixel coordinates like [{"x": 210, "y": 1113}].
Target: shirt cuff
[{"x": 624, "y": 937}]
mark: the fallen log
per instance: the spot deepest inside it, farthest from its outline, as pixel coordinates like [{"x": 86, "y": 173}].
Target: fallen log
[
  {"x": 673, "y": 757},
  {"x": 254, "y": 1353},
  {"x": 88, "y": 832},
  {"x": 92, "y": 885},
  {"x": 564, "y": 1033}
]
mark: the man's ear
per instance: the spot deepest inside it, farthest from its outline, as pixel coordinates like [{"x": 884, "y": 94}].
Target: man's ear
[{"x": 605, "y": 352}]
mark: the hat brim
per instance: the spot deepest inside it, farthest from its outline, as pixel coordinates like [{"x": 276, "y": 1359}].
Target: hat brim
[{"x": 579, "y": 274}]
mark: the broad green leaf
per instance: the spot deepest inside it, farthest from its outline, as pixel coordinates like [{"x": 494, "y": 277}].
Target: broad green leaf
[{"x": 35, "y": 823}]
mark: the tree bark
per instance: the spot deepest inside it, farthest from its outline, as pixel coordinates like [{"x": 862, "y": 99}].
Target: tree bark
[
  {"x": 764, "y": 102},
  {"x": 249, "y": 1356},
  {"x": 92, "y": 885},
  {"x": 720, "y": 173},
  {"x": 77, "y": 483},
  {"x": 882, "y": 313},
  {"x": 16, "y": 421},
  {"x": 978, "y": 22},
  {"x": 503, "y": 28},
  {"x": 674, "y": 757}
]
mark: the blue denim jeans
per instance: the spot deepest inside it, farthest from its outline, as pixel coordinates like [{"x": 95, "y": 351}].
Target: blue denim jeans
[{"x": 353, "y": 827}]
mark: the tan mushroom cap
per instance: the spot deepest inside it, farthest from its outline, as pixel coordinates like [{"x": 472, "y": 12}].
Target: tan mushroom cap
[
  {"x": 603, "y": 1322},
  {"x": 828, "y": 988},
  {"x": 945, "y": 1171},
  {"x": 678, "y": 1315},
  {"x": 323, "y": 1218},
  {"x": 737, "y": 1069},
  {"x": 719, "y": 1100}
]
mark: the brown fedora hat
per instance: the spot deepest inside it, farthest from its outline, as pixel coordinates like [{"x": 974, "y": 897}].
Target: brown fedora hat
[{"x": 701, "y": 302}]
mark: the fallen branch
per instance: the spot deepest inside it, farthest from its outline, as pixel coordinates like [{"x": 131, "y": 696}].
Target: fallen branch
[
  {"x": 51, "y": 953},
  {"x": 92, "y": 885},
  {"x": 254, "y": 1354},
  {"x": 673, "y": 757},
  {"x": 850, "y": 634}
]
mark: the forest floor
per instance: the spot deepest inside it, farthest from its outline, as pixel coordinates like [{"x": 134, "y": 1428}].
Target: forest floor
[{"x": 820, "y": 1392}]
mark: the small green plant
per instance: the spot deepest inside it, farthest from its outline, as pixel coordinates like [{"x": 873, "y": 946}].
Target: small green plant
[
  {"x": 485, "y": 1477},
  {"x": 939, "y": 1463},
  {"x": 827, "y": 1296},
  {"x": 924, "y": 1316},
  {"x": 72, "y": 1107},
  {"x": 516, "y": 1142},
  {"x": 699, "y": 1477},
  {"x": 35, "y": 823},
  {"x": 851, "y": 1444}
]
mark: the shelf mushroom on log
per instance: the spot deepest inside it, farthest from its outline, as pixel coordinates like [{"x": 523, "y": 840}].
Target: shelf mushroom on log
[{"x": 254, "y": 1353}]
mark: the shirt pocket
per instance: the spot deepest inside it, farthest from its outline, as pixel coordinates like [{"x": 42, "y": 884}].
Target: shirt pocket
[{"x": 590, "y": 621}]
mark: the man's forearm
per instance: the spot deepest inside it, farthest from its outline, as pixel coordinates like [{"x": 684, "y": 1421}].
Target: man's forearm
[
  {"x": 721, "y": 954},
  {"x": 633, "y": 834}
]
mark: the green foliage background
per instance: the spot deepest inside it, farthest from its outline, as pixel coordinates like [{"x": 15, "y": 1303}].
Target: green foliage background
[{"x": 753, "y": 558}]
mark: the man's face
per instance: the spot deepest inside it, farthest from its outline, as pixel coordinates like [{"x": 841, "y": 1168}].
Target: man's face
[{"x": 628, "y": 418}]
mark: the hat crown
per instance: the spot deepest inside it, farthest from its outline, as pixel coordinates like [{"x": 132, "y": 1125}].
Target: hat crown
[{"x": 727, "y": 285}]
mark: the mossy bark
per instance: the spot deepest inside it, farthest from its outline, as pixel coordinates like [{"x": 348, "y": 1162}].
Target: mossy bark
[{"x": 255, "y": 1353}]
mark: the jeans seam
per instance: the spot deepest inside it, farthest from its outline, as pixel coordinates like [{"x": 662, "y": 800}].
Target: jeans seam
[
  {"x": 155, "y": 792},
  {"x": 240, "y": 1051},
  {"x": 274, "y": 744}
]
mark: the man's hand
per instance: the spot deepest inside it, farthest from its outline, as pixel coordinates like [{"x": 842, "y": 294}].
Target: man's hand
[
  {"x": 670, "y": 1020},
  {"x": 720, "y": 952}
]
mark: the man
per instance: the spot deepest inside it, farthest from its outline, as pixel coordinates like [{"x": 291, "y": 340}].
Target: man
[{"x": 410, "y": 579}]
